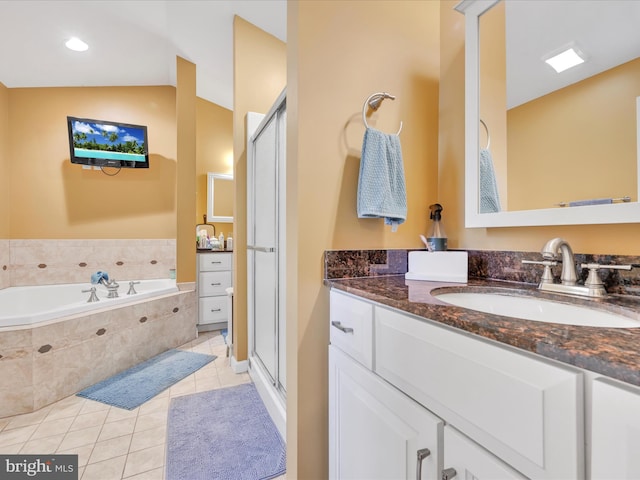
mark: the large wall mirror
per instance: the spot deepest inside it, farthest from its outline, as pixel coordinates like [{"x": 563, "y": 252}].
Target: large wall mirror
[
  {"x": 220, "y": 197},
  {"x": 549, "y": 148}
]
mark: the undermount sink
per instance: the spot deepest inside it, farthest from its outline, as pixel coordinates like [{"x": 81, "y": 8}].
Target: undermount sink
[{"x": 536, "y": 309}]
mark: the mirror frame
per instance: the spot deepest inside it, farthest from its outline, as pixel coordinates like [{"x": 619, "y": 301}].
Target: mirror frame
[
  {"x": 211, "y": 177},
  {"x": 584, "y": 215}
]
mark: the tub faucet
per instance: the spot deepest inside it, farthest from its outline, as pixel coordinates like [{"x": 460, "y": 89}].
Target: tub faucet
[{"x": 550, "y": 252}]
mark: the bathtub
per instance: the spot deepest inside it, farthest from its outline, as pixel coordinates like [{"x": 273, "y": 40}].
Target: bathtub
[
  {"x": 54, "y": 344},
  {"x": 30, "y": 305}
]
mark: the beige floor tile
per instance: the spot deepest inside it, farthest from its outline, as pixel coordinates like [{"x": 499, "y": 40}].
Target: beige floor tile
[
  {"x": 155, "y": 404},
  {"x": 79, "y": 438},
  {"x": 65, "y": 410},
  {"x": 106, "y": 470},
  {"x": 92, "y": 406},
  {"x": 52, "y": 427},
  {"x": 117, "y": 429},
  {"x": 45, "y": 445},
  {"x": 16, "y": 435},
  {"x": 116, "y": 414},
  {"x": 4, "y": 422},
  {"x": 150, "y": 421},
  {"x": 83, "y": 452},
  {"x": 112, "y": 448},
  {"x": 155, "y": 474},
  {"x": 87, "y": 420},
  {"x": 32, "y": 418},
  {"x": 149, "y": 438},
  {"x": 183, "y": 387},
  {"x": 144, "y": 460}
]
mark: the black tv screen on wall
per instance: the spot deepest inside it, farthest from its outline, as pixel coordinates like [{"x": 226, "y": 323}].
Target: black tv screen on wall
[{"x": 104, "y": 143}]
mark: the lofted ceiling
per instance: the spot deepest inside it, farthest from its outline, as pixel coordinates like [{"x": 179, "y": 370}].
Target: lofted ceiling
[{"x": 132, "y": 43}]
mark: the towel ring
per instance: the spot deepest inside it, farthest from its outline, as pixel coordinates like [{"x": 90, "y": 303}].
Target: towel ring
[
  {"x": 488, "y": 136},
  {"x": 374, "y": 102}
]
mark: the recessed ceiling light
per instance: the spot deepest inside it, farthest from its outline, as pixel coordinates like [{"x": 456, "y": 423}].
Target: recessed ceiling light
[
  {"x": 76, "y": 45},
  {"x": 565, "y": 60}
]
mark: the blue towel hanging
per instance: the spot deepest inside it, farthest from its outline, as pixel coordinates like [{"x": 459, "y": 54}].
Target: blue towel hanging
[
  {"x": 381, "y": 184},
  {"x": 489, "y": 197}
]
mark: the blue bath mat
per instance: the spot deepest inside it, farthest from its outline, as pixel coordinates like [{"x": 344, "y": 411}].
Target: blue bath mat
[
  {"x": 226, "y": 434},
  {"x": 133, "y": 387}
]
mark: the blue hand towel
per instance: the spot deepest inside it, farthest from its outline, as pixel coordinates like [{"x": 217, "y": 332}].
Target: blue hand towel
[
  {"x": 489, "y": 198},
  {"x": 381, "y": 186},
  {"x": 96, "y": 277}
]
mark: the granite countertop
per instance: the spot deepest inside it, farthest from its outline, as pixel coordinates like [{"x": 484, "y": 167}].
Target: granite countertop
[{"x": 614, "y": 352}]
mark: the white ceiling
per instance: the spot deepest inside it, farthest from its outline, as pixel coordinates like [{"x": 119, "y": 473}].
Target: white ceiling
[
  {"x": 131, "y": 42},
  {"x": 606, "y": 31}
]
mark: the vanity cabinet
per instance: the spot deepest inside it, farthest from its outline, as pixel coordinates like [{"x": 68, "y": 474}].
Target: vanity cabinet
[
  {"x": 376, "y": 432},
  {"x": 214, "y": 274},
  {"x": 507, "y": 414},
  {"x": 615, "y": 431}
]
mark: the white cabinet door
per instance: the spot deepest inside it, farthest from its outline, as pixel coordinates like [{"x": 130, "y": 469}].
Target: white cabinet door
[
  {"x": 376, "y": 432},
  {"x": 615, "y": 432},
  {"x": 466, "y": 460},
  {"x": 526, "y": 411}
]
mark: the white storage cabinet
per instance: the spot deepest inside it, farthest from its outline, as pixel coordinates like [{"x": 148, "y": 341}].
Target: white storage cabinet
[{"x": 214, "y": 277}]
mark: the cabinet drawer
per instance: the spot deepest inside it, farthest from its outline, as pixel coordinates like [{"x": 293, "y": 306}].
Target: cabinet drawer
[
  {"x": 351, "y": 328},
  {"x": 213, "y": 283},
  {"x": 524, "y": 410},
  {"x": 209, "y": 262},
  {"x": 212, "y": 310}
]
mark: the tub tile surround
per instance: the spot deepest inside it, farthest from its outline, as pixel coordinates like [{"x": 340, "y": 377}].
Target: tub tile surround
[
  {"x": 81, "y": 350},
  {"x": 5, "y": 260},
  {"x": 46, "y": 262},
  {"x": 610, "y": 351}
]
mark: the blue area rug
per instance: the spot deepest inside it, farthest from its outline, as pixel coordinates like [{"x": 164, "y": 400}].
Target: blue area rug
[
  {"x": 224, "y": 434},
  {"x": 133, "y": 387}
]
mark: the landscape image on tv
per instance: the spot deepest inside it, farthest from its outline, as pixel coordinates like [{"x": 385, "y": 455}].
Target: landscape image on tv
[{"x": 93, "y": 139}]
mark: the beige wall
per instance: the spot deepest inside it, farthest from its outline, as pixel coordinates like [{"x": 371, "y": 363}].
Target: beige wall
[
  {"x": 577, "y": 143},
  {"x": 259, "y": 76},
  {"x": 214, "y": 152},
  {"x": 4, "y": 162},
  {"x": 186, "y": 170},
  {"x": 51, "y": 198},
  {"x": 339, "y": 53}
]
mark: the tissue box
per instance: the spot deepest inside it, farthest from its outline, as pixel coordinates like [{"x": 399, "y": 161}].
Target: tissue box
[{"x": 446, "y": 266}]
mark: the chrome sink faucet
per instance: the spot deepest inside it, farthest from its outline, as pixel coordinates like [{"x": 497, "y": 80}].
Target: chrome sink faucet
[
  {"x": 593, "y": 286},
  {"x": 550, "y": 252}
]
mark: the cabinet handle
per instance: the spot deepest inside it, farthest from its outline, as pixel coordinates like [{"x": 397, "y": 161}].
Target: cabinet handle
[
  {"x": 216, "y": 310},
  {"x": 339, "y": 326},
  {"x": 212, "y": 263},
  {"x": 214, "y": 284},
  {"x": 448, "y": 473},
  {"x": 421, "y": 454}
]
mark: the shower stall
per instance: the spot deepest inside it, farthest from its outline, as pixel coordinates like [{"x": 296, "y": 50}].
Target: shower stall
[{"x": 266, "y": 209}]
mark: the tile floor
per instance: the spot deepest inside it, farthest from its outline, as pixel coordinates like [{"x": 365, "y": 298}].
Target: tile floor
[{"x": 113, "y": 443}]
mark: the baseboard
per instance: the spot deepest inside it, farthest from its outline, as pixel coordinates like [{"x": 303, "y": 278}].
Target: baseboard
[
  {"x": 239, "y": 366},
  {"x": 272, "y": 400}
]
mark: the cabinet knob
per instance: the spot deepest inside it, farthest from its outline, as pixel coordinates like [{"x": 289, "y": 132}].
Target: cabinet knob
[
  {"x": 421, "y": 454},
  {"x": 448, "y": 473}
]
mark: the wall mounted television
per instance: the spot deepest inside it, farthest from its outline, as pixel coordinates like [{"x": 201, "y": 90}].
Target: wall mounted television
[{"x": 104, "y": 143}]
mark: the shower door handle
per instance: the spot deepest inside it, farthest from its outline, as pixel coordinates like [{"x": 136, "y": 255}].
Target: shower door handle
[{"x": 261, "y": 249}]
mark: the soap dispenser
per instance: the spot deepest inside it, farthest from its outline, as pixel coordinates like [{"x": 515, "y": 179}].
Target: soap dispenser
[
  {"x": 436, "y": 238},
  {"x": 221, "y": 240}
]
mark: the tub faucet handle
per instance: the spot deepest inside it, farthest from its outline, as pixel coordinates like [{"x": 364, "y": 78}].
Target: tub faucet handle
[
  {"x": 93, "y": 297},
  {"x": 132, "y": 290}
]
